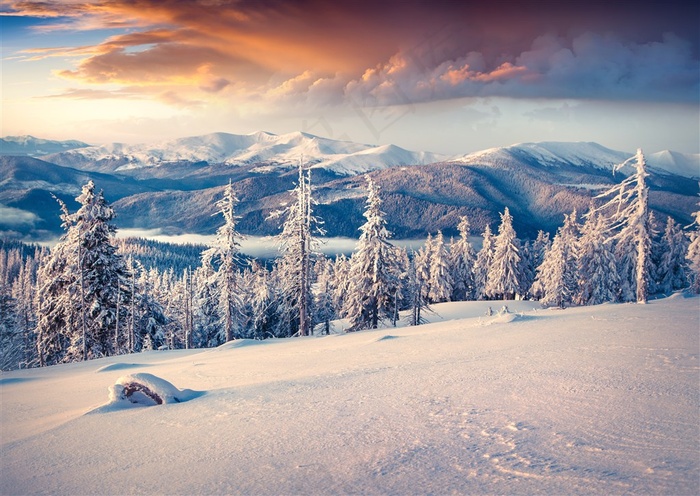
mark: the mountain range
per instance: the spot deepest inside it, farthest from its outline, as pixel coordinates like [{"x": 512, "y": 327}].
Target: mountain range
[{"x": 173, "y": 185}]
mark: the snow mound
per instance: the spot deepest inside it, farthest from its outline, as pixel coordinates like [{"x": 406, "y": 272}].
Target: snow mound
[
  {"x": 506, "y": 318},
  {"x": 119, "y": 366},
  {"x": 237, "y": 343},
  {"x": 386, "y": 337},
  {"x": 145, "y": 390}
]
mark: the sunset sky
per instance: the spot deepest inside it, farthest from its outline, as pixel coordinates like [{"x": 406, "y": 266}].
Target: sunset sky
[{"x": 443, "y": 76}]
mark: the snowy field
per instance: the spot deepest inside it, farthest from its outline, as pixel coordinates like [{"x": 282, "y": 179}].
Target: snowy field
[{"x": 593, "y": 400}]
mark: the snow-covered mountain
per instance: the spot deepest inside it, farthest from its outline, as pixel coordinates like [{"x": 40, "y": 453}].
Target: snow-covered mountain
[
  {"x": 581, "y": 154},
  {"x": 36, "y": 147},
  {"x": 680, "y": 164},
  {"x": 269, "y": 151},
  {"x": 174, "y": 185}
]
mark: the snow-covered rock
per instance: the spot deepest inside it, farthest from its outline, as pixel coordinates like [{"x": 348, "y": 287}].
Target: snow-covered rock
[{"x": 147, "y": 389}]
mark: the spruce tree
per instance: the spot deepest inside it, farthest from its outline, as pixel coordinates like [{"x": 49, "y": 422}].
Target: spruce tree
[
  {"x": 628, "y": 214},
  {"x": 597, "y": 274},
  {"x": 462, "y": 263},
  {"x": 297, "y": 243},
  {"x": 374, "y": 275},
  {"x": 672, "y": 271},
  {"x": 225, "y": 280},
  {"x": 440, "y": 277},
  {"x": 484, "y": 260},
  {"x": 81, "y": 284},
  {"x": 693, "y": 255},
  {"x": 324, "y": 310},
  {"x": 504, "y": 277},
  {"x": 554, "y": 280}
]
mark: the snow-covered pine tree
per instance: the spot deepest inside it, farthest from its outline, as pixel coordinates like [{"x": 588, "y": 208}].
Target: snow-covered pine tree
[
  {"x": 597, "y": 274},
  {"x": 401, "y": 296},
  {"x": 415, "y": 288},
  {"x": 297, "y": 243},
  {"x": 555, "y": 276},
  {"x": 425, "y": 256},
  {"x": 324, "y": 310},
  {"x": 484, "y": 260},
  {"x": 226, "y": 278},
  {"x": 266, "y": 319},
  {"x": 11, "y": 336},
  {"x": 628, "y": 213},
  {"x": 207, "y": 318},
  {"x": 440, "y": 277},
  {"x": 533, "y": 254},
  {"x": 693, "y": 255},
  {"x": 341, "y": 277},
  {"x": 81, "y": 285},
  {"x": 505, "y": 275},
  {"x": 24, "y": 294},
  {"x": 374, "y": 276},
  {"x": 672, "y": 270},
  {"x": 147, "y": 318},
  {"x": 462, "y": 263}
]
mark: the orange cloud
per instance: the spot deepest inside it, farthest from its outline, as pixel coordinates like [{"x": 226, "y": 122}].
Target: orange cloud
[{"x": 393, "y": 52}]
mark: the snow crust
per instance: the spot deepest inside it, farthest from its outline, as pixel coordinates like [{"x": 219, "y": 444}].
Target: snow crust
[{"x": 590, "y": 400}]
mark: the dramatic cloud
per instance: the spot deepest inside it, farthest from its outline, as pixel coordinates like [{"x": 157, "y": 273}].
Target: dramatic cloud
[
  {"x": 376, "y": 66},
  {"x": 393, "y": 53}
]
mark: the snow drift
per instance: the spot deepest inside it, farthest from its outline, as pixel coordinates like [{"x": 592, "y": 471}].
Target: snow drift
[{"x": 590, "y": 400}]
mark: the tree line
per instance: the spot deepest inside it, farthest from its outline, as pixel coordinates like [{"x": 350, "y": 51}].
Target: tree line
[{"x": 85, "y": 299}]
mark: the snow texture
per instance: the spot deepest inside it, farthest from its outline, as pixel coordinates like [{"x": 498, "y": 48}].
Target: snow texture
[{"x": 587, "y": 400}]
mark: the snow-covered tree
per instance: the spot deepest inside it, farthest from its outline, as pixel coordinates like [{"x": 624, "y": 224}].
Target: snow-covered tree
[
  {"x": 597, "y": 274},
  {"x": 324, "y": 310},
  {"x": 484, "y": 260},
  {"x": 533, "y": 256},
  {"x": 147, "y": 321},
  {"x": 207, "y": 320},
  {"x": 462, "y": 263},
  {"x": 297, "y": 243},
  {"x": 11, "y": 336},
  {"x": 672, "y": 270},
  {"x": 440, "y": 277},
  {"x": 225, "y": 280},
  {"x": 264, "y": 317},
  {"x": 81, "y": 284},
  {"x": 374, "y": 275},
  {"x": 628, "y": 213},
  {"x": 554, "y": 280},
  {"x": 693, "y": 255},
  {"x": 416, "y": 292},
  {"x": 341, "y": 278},
  {"x": 504, "y": 276}
]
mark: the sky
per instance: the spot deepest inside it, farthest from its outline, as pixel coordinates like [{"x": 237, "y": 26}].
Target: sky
[{"x": 441, "y": 76}]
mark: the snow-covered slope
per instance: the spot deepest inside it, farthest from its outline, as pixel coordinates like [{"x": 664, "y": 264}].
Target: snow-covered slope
[
  {"x": 680, "y": 164},
  {"x": 285, "y": 150},
  {"x": 588, "y": 154},
  {"x": 549, "y": 154},
  {"x": 597, "y": 400},
  {"x": 35, "y": 147}
]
